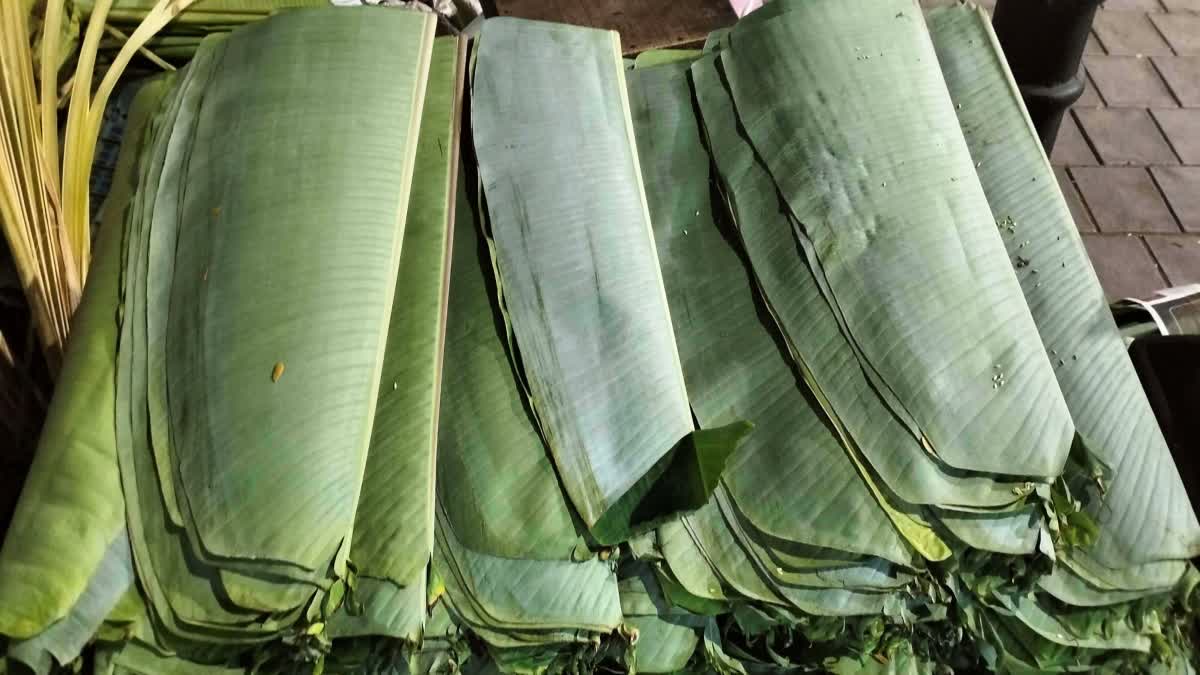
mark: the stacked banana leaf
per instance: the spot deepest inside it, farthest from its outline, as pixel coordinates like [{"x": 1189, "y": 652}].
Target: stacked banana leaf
[
  {"x": 902, "y": 259},
  {"x": 783, "y": 356},
  {"x": 240, "y": 341}
]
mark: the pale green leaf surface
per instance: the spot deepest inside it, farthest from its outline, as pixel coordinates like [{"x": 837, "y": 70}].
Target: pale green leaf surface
[
  {"x": 687, "y": 564},
  {"x": 808, "y": 322},
  {"x": 734, "y": 366},
  {"x": 1151, "y": 577},
  {"x": 1061, "y": 629},
  {"x": 181, "y": 599},
  {"x": 167, "y": 172},
  {"x": 667, "y": 636},
  {"x": 1145, "y": 514},
  {"x": 1011, "y": 532},
  {"x": 388, "y": 609},
  {"x": 495, "y": 475},
  {"x": 291, "y": 452},
  {"x": 879, "y": 177},
  {"x": 393, "y": 533},
  {"x": 65, "y": 639},
  {"x": 529, "y": 595},
  {"x": 72, "y": 506},
  {"x": 575, "y": 254},
  {"x": 658, "y": 57},
  {"x": 1071, "y": 588},
  {"x": 717, "y": 540}
]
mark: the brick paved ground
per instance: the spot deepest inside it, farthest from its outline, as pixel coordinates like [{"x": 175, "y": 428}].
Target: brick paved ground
[{"x": 1128, "y": 155}]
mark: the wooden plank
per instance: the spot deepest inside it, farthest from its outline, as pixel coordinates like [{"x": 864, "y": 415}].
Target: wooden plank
[{"x": 643, "y": 24}]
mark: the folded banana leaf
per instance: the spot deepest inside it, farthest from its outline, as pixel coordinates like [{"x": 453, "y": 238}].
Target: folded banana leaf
[
  {"x": 495, "y": 476},
  {"x": 813, "y": 336},
  {"x": 510, "y": 547},
  {"x": 58, "y": 577},
  {"x": 393, "y": 528},
  {"x": 666, "y": 636},
  {"x": 735, "y": 368},
  {"x": 558, "y": 166},
  {"x": 732, "y": 359},
  {"x": 1143, "y": 542},
  {"x": 64, "y": 525},
  {"x": 826, "y": 360},
  {"x": 1143, "y": 512},
  {"x": 880, "y": 183},
  {"x": 228, "y": 424}
]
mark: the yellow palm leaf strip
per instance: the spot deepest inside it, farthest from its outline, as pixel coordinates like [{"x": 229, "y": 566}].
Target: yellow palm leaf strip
[
  {"x": 144, "y": 51},
  {"x": 78, "y": 149},
  {"x": 86, "y": 114},
  {"x": 28, "y": 195},
  {"x": 48, "y": 100}
]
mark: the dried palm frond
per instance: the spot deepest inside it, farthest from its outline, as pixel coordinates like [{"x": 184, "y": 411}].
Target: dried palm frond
[
  {"x": 30, "y": 204},
  {"x": 44, "y": 211}
]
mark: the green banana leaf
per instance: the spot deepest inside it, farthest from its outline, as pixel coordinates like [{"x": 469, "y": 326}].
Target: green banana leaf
[
  {"x": 686, "y": 564},
  {"x": 732, "y": 361},
  {"x": 393, "y": 529},
  {"x": 590, "y": 322},
  {"x": 880, "y": 182},
  {"x": 1072, "y": 589},
  {"x": 64, "y": 640},
  {"x": 230, "y": 397},
  {"x": 1144, "y": 514},
  {"x": 666, "y": 636},
  {"x": 159, "y": 549},
  {"x": 656, "y": 57},
  {"x": 320, "y": 418},
  {"x": 495, "y": 476},
  {"x": 528, "y": 600},
  {"x": 72, "y": 508},
  {"x": 813, "y": 336},
  {"x": 243, "y": 387},
  {"x": 826, "y": 360},
  {"x": 1059, "y": 627}
]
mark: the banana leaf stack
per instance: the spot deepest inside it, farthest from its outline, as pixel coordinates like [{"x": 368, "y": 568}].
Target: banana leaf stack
[
  {"x": 780, "y": 356},
  {"x": 274, "y": 146},
  {"x": 847, "y": 216}
]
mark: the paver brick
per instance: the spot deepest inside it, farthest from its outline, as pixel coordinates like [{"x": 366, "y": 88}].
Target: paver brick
[
  {"x": 1128, "y": 81},
  {"x": 1129, "y": 34},
  {"x": 1124, "y": 199},
  {"x": 1182, "y": 5},
  {"x": 1089, "y": 98},
  {"x": 1092, "y": 46},
  {"x": 1070, "y": 147},
  {"x": 1124, "y": 265},
  {"x": 1132, "y": 5},
  {"x": 1079, "y": 212},
  {"x": 1181, "y": 29},
  {"x": 1182, "y": 75},
  {"x": 1178, "y": 256},
  {"x": 1181, "y": 186},
  {"x": 1182, "y": 128},
  {"x": 1125, "y": 136}
]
